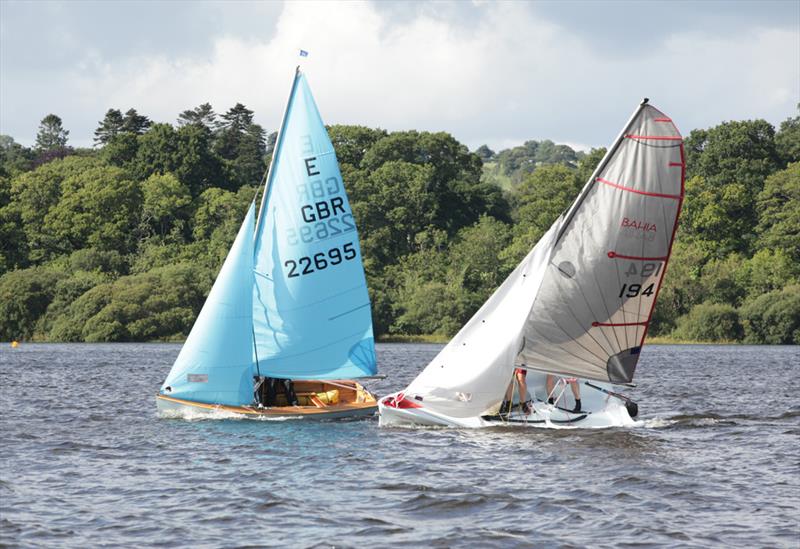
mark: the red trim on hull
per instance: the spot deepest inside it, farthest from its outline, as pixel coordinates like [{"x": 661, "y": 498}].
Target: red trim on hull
[{"x": 400, "y": 401}]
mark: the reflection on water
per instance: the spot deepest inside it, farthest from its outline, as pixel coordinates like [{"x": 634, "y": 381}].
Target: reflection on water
[{"x": 86, "y": 459}]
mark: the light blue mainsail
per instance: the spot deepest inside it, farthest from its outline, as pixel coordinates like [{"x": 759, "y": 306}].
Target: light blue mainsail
[
  {"x": 311, "y": 308},
  {"x": 215, "y": 364}
]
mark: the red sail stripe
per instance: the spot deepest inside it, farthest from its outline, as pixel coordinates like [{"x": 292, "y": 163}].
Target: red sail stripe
[
  {"x": 614, "y": 255},
  {"x": 656, "y": 137},
  {"x": 662, "y": 119},
  {"x": 596, "y": 324},
  {"x": 637, "y": 191},
  {"x": 676, "y": 164}
]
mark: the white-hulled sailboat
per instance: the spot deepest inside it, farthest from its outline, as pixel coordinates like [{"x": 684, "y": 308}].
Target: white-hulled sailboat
[
  {"x": 577, "y": 308},
  {"x": 291, "y": 301}
]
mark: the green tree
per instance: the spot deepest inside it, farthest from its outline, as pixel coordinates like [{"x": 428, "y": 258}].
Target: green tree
[
  {"x": 455, "y": 182},
  {"x": 165, "y": 204},
  {"x": 14, "y": 158},
  {"x": 773, "y": 318},
  {"x": 682, "y": 287},
  {"x": 24, "y": 297},
  {"x": 100, "y": 207},
  {"x": 398, "y": 205},
  {"x": 160, "y": 304},
  {"x": 787, "y": 140},
  {"x": 198, "y": 167},
  {"x": 741, "y": 153},
  {"x": 720, "y": 218},
  {"x": 710, "y": 322},
  {"x": 778, "y": 207},
  {"x": 485, "y": 153},
  {"x": 34, "y": 194},
  {"x": 135, "y": 123},
  {"x": 537, "y": 202},
  {"x": 121, "y": 149},
  {"x": 768, "y": 270},
  {"x": 64, "y": 293},
  {"x": 109, "y": 127},
  {"x": 241, "y": 144},
  {"x": 352, "y": 142},
  {"x": 52, "y": 136},
  {"x": 187, "y": 153},
  {"x": 203, "y": 116}
]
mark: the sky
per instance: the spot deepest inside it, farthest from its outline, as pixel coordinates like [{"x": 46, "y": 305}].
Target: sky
[{"x": 498, "y": 73}]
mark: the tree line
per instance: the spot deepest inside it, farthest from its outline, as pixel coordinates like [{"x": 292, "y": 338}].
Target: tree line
[{"x": 121, "y": 242}]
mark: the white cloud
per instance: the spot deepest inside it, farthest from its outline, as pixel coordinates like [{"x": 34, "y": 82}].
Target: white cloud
[{"x": 511, "y": 76}]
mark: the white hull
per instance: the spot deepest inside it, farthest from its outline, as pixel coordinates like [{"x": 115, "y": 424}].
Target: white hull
[{"x": 598, "y": 411}]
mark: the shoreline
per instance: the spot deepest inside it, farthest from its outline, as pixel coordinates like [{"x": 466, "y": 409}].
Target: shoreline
[{"x": 420, "y": 338}]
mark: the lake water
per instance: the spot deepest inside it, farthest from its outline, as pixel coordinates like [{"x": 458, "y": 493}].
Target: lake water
[{"x": 87, "y": 461}]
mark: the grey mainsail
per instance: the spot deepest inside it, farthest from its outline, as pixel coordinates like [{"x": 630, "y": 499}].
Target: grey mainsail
[{"x": 595, "y": 303}]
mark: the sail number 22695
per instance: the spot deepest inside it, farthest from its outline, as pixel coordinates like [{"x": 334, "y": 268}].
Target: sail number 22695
[{"x": 307, "y": 265}]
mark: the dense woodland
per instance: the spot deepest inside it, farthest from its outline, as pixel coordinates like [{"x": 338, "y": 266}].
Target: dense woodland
[{"x": 121, "y": 242}]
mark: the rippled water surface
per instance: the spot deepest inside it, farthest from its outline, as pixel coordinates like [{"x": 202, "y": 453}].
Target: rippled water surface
[{"x": 87, "y": 461}]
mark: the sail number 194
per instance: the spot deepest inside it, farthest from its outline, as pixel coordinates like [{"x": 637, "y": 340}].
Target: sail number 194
[{"x": 307, "y": 265}]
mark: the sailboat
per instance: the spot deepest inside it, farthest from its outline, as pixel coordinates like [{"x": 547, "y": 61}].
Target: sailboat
[
  {"x": 574, "y": 314},
  {"x": 287, "y": 324}
]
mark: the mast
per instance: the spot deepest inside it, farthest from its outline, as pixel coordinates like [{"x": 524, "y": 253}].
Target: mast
[
  {"x": 278, "y": 142},
  {"x": 267, "y": 184},
  {"x": 571, "y": 212}
]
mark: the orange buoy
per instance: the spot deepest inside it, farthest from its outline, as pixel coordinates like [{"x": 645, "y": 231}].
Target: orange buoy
[{"x": 14, "y": 344}]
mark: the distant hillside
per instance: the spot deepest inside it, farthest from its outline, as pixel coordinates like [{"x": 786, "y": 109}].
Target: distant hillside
[{"x": 509, "y": 167}]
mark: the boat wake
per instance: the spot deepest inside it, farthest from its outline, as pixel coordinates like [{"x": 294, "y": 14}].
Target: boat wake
[{"x": 188, "y": 414}]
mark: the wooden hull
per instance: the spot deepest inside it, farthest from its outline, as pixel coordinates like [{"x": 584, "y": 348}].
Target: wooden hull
[{"x": 353, "y": 401}]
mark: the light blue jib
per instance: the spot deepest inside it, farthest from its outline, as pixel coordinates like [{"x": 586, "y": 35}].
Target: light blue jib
[
  {"x": 311, "y": 308},
  {"x": 215, "y": 364}
]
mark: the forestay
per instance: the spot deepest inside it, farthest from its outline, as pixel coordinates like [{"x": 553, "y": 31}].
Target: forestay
[
  {"x": 311, "y": 309},
  {"x": 579, "y": 304},
  {"x": 215, "y": 364}
]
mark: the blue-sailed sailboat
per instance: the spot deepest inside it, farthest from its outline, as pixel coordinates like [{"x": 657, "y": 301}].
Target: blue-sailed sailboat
[{"x": 288, "y": 320}]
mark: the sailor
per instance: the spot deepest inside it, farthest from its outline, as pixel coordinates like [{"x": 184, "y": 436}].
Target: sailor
[
  {"x": 520, "y": 374},
  {"x": 573, "y": 383},
  {"x": 269, "y": 388}
]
